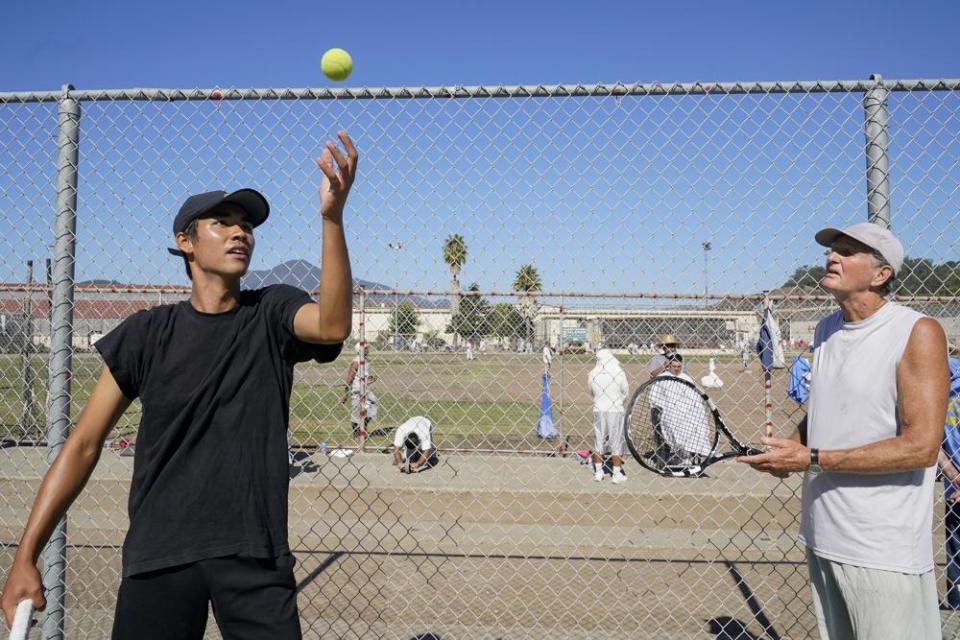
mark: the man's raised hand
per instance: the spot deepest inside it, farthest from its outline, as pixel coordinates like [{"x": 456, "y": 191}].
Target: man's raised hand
[{"x": 337, "y": 180}]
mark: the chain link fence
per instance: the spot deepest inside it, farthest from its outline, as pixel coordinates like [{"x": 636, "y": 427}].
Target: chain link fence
[{"x": 486, "y": 223}]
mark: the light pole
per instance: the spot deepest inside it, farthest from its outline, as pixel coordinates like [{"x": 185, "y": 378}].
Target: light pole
[
  {"x": 706, "y": 274},
  {"x": 396, "y": 246}
]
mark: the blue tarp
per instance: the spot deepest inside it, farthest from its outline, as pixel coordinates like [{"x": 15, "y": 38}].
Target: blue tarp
[
  {"x": 545, "y": 428},
  {"x": 951, "y": 428},
  {"x": 799, "y": 384},
  {"x": 954, "y": 377}
]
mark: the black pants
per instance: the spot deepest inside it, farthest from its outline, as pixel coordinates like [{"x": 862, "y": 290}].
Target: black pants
[
  {"x": 252, "y": 598},
  {"x": 413, "y": 454}
]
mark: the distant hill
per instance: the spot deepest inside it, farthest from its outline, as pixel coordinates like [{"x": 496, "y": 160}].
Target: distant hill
[
  {"x": 297, "y": 273},
  {"x": 305, "y": 275}
]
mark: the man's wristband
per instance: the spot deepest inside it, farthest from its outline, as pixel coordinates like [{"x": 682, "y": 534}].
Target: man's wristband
[{"x": 815, "y": 461}]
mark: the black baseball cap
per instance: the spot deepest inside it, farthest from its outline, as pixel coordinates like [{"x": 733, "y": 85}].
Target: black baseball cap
[{"x": 250, "y": 200}]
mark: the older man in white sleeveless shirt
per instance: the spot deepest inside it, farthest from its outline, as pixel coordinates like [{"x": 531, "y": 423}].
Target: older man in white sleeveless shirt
[{"x": 878, "y": 397}]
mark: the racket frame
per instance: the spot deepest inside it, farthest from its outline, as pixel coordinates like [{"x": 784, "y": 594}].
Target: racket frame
[{"x": 739, "y": 449}]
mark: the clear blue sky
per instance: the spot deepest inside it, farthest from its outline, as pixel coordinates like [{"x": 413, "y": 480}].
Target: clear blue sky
[
  {"x": 96, "y": 44},
  {"x": 598, "y": 194}
]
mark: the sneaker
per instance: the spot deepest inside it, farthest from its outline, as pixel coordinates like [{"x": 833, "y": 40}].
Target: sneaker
[
  {"x": 619, "y": 478},
  {"x": 598, "y": 476}
]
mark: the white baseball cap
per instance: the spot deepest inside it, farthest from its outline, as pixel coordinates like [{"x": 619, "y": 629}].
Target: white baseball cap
[{"x": 873, "y": 235}]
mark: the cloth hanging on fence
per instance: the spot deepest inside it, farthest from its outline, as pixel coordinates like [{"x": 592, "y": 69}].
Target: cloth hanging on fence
[
  {"x": 768, "y": 346},
  {"x": 765, "y": 344},
  {"x": 545, "y": 428},
  {"x": 799, "y": 379}
]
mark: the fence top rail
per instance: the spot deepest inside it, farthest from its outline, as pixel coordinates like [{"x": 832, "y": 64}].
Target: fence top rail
[
  {"x": 149, "y": 289},
  {"x": 617, "y": 89}
]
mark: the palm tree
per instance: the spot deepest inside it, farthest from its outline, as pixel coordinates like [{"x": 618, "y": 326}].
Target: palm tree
[
  {"x": 455, "y": 255},
  {"x": 528, "y": 279},
  {"x": 527, "y": 282}
]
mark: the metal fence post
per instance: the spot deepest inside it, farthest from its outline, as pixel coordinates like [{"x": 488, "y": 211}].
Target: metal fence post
[
  {"x": 560, "y": 423},
  {"x": 362, "y": 372},
  {"x": 878, "y": 157},
  {"x": 28, "y": 417},
  {"x": 61, "y": 346}
]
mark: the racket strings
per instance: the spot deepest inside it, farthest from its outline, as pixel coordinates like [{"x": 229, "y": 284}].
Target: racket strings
[{"x": 671, "y": 425}]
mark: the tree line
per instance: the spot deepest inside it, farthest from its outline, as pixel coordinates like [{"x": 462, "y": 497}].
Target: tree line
[
  {"x": 472, "y": 315},
  {"x": 918, "y": 277}
]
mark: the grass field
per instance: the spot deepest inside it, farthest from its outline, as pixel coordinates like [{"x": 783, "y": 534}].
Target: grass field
[{"x": 491, "y": 402}]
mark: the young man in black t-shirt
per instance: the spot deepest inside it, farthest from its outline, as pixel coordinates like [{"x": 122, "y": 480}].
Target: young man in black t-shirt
[{"x": 208, "y": 500}]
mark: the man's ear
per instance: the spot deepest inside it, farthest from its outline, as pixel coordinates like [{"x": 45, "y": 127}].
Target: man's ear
[
  {"x": 884, "y": 274},
  {"x": 184, "y": 243}
]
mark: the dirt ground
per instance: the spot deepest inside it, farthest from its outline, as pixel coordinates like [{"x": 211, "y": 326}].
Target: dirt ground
[{"x": 487, "y": 547}]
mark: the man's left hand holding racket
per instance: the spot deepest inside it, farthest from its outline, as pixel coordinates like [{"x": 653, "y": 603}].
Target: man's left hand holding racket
[{"x": 781, "y": 456}]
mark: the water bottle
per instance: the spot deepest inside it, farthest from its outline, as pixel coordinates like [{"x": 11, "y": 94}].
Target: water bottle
[{"x": 323, "y": 448}]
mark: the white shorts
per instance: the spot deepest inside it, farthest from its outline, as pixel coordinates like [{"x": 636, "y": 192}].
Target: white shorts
[
  {"x": 371, "y": 402},
  {"x": 608, "y": 432},
  {"x": 872, "y": 604}
]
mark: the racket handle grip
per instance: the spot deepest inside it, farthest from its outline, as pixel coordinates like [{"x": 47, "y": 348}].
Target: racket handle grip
[{"x": 21, "y": 620}]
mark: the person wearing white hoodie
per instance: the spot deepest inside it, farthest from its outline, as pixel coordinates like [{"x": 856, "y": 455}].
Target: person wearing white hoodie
[{"x": 608, "y": 387}]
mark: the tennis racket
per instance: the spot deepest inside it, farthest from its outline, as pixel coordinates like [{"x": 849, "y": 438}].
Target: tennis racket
[
  {"x": 20, "y": 629},
  {"x": 672, "y": 428}
]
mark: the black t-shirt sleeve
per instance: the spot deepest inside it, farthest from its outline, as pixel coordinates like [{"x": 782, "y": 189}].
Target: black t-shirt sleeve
[
  {"x": 124, "y": 352},
  {"x": 285, "y": 301}
]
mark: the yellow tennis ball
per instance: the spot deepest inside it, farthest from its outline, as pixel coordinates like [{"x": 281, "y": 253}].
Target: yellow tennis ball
[{"x": 336, "y": 64}]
